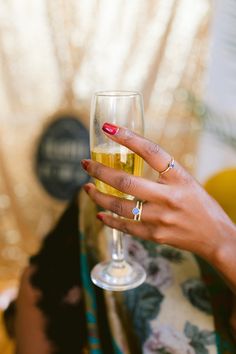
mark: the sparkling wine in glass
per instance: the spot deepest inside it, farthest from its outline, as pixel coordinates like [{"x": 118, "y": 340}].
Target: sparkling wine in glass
[{"x": 122, "y": 108}]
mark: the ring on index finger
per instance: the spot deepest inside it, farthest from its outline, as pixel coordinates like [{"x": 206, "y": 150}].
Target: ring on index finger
[{"x": 171, "y": 164}]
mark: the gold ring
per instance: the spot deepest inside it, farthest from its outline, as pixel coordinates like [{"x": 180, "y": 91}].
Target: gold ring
[
  {"x": 170, "y": 165},
  {"x": 137, "y": 211}
]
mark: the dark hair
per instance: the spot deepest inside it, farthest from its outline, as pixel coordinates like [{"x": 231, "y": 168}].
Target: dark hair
[{"x": 57, "y": 272}]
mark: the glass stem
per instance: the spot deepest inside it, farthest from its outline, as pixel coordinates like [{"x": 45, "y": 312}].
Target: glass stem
[{"x": 117, "y": 248}]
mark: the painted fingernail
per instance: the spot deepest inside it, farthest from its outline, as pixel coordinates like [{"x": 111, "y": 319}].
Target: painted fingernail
[
  {"x": 100, "y": 217},
  {"x": 85, "y": 164},
  {"x": 86, "y": 188},
  {"x": 110, "y": 128}
]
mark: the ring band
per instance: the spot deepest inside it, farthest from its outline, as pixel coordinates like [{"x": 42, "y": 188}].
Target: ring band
[
  {"x": 137, "y": 211},
  {"x": 170, "y": 165}
]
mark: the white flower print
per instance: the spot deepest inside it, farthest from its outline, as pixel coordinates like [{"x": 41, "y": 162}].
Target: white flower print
[{"x": 167, "y": 340}]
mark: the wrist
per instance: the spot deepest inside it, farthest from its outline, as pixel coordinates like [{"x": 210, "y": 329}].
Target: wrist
[
  {"x": 223, "y": 258},
  {"x": 225, "y": 245}
]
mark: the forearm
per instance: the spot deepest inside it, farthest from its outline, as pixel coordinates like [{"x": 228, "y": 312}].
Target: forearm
[
  {"x": 225, "y": 262},
  {"x": 224, "y": 259}
]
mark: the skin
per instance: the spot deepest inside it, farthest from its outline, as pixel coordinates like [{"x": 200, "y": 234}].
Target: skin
[
  {"x": 177, "y": 211},
  {"x": 30, "y": 322}
]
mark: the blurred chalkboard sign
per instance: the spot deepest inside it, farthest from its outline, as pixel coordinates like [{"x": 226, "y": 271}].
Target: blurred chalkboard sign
[{"x": 62, "y": 146}]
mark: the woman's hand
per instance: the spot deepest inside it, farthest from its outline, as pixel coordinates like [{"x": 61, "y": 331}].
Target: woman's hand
[{"x": 177, "y": 211}]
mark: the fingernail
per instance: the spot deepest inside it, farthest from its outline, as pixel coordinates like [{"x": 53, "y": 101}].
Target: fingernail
[
  {"x": 86, "y": 188},
  {"x": 85, "y": 164},
  {"x": 100, "y": 217},
  {"x": 110, "y": 128}
]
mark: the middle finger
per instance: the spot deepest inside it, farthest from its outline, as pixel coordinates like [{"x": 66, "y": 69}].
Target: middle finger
[{"x": 136, "y": 186}]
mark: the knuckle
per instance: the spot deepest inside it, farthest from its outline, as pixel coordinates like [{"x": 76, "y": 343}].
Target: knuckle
[
  {"x": 175, "y": 199},
  {"x": 151, "y": 148},
  {"x": 128, "y": 135},
  {"x": 116, "y": 206},
  {"x": 125, "y": 183},
  {"x": 167, "y": 219},
  {"x": 97, "y": 170},
  {"x": 158, "y": 237}
]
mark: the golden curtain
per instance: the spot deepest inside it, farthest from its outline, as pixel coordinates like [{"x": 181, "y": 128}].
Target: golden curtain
[{"x": 54, "y": 55}]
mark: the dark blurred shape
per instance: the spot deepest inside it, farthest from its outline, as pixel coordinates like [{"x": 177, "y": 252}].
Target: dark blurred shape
[
  {"x": 58, "y": 278},
  {"x": 9, "y": 319}
]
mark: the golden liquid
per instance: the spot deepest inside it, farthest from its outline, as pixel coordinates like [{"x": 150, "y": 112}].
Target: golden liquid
[{"x": 120, "y": 159}]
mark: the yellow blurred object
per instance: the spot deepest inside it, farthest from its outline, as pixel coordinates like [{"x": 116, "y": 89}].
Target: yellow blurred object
[
  {"x": 7, "y": 346},
  {"x": 222, "y": 187}
]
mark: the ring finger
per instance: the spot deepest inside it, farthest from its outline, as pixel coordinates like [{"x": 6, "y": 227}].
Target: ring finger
[{"x": 123, "y": 207}]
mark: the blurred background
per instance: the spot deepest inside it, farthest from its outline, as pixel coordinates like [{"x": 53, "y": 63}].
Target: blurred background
[{"x": 54, "y": 54}]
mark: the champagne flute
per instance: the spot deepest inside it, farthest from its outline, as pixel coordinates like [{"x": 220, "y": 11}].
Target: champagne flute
[{"x": 122, "y": 108}]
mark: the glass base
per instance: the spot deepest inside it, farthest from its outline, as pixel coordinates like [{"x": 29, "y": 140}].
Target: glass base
[{"x": 118, "y": 276}]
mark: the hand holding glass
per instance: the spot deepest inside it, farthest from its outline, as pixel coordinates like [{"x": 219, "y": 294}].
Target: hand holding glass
[{"x": 122, "y": 108}]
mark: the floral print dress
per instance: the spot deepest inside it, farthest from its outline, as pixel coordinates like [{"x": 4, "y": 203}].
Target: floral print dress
[{"x": 178, "y": 317}]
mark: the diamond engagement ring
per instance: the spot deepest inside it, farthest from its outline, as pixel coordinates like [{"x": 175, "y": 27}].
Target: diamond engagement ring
[{"x": 137, "y": 210}]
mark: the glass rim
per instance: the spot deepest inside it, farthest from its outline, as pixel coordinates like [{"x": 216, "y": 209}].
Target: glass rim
[{"x": 118, "y": 93}]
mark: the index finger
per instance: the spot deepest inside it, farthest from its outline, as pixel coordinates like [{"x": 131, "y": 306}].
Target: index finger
[{"x": 151, "y": 152}]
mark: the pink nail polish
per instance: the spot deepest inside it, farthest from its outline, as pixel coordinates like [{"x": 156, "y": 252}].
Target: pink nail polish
[
  {"x": 85, "y": 164},
  {"x": 110, "y": 128}
]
